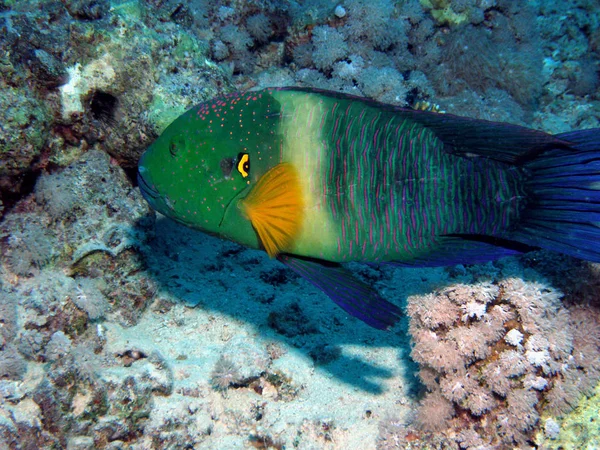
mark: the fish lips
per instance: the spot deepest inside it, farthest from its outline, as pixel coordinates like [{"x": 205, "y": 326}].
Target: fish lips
[
  {"x": 150, "y": 193},
  {"x": 147, "y": 188}
]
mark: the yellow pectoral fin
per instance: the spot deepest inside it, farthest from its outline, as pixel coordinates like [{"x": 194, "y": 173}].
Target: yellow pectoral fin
[{"x": 275, "y": 208}]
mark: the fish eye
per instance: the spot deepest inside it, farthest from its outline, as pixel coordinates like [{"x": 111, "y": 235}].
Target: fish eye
[
  {"x": 176, "y": 144},
  {"x": 173, "y": 148},
  {"x": 243, "y": 164},
  {"x": 226, "y": 166}
]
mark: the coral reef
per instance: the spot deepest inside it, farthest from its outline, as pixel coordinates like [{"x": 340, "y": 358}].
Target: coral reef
[
  {"x": 65, "y": 92},
  {"x": 112, "y": 339},
  {"x": 70, "y": 259},
  {"x": 495, "y": 357},
  {"x": 23, "y": 134}
]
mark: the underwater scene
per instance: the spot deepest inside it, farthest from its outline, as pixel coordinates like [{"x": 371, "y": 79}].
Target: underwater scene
[{"x": 299, "y": 224}]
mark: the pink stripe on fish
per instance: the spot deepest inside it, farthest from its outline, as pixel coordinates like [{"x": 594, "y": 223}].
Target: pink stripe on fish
[
  {"x": 362, "y": 134},
  {"x": 323, "y": 117},
  {"x": 387, "y": 219},
  {"x": 309, "y": 118},
  {"x": 348, "y": 129},
  {"x": 371, "y": 180},
  {"x": 335, "y": 126}
]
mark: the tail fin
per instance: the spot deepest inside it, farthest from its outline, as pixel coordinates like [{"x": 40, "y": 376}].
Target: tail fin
[{"x": 564, "y": 215}]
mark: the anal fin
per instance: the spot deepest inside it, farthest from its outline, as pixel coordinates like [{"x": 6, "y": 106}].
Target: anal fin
[{"x": 355, "y": 297}]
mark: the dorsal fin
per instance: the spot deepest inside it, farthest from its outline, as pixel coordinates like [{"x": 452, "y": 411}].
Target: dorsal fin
[{"x": 511, "y": 144}]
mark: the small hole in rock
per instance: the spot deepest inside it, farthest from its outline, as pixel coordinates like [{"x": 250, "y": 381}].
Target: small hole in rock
[{"x": 103, "y": 106}]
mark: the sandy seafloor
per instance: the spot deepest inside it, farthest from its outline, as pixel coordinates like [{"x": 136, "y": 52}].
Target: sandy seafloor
[
  {"x": 335, "y": 403},
  {"x": 119, "y": 329}
]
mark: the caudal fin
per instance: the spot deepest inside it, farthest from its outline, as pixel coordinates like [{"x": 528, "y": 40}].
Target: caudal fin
[{"x": 564, "y": 214}]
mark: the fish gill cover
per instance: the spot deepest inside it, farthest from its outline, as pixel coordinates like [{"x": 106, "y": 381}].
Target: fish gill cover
[{"x": 118, "y": 330}]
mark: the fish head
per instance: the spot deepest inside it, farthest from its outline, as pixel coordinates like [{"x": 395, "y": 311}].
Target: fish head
[{"x": 205, "y": 162}]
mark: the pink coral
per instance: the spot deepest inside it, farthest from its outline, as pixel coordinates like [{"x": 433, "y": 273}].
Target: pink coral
[
  {"x": 479, "y": 401},
  {"x": 501, "y": 354},
  {"x": 433, "y": 310},
  {"x": 497, "y": 380},
  {"x": 456, "y": 388},
  {"x": 437, "y": 352},
  {"x": 434, "y": 412},
  {"x": 521, "y": 407}
]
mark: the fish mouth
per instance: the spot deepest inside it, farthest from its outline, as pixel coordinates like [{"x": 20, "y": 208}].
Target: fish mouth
[
  {"x": 155, "y": 199},
  {"x": 148, "y": 190}
]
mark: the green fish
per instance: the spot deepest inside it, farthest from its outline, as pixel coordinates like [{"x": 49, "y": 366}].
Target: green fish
[{"x": 319, "y": 178}]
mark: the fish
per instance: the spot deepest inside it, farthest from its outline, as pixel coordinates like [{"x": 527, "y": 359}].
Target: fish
[{"x": 317, "y": 179}]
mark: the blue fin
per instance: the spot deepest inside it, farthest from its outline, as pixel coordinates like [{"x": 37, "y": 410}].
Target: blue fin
[
  {"x": 353, "y": 296},
  {"x": 564, "y": 212},
  {"x": 465, "y": 249},
  {"x": 504, "y": 142}
]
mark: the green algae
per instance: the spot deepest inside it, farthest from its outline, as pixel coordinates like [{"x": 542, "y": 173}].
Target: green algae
[
  {"x": 442, "y": 12},
  {"x": 24, "y": 129},
  {"x": 579, "y": 429}
]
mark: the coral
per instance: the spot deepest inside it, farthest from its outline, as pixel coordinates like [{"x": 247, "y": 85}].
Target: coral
[
  {"x": 8, "y": 316},
  {"x": 551, "y": 428},
  {"x": 47, "y": 68},
  {"x": 12, "y": 365},
  {"x": 25, "y": 123},
  {"x": 238, "y": 40},
  {"x": 349, "y": 70},
  {"x": 434, "y": 412},
  {"x": 505, "y": 351},
  {"x": 473, "y": 57},
  {"x": 87, "y": 9},
  {"x": 375, "y": 23},
  {"x": 585, "y": 78},
  {"x": 90, "y": 299},
  {"x": 30, "y": 245},
  {"x": 220, "y": 51},
  {"x": 59, "y": 240},
  {"x": 329, "y": 47},
  {"x": 259, "y": 27},
  {"x": 225, "y": 374},
  {"x": 302, "y": 55},
  {"x": 448, "y": 13},
  {"x": 58, "y": 346},
  {"x": 107, "y": 222},
  {"x": 384, "y": 84},
  {"x": 578, "y": 429}
]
